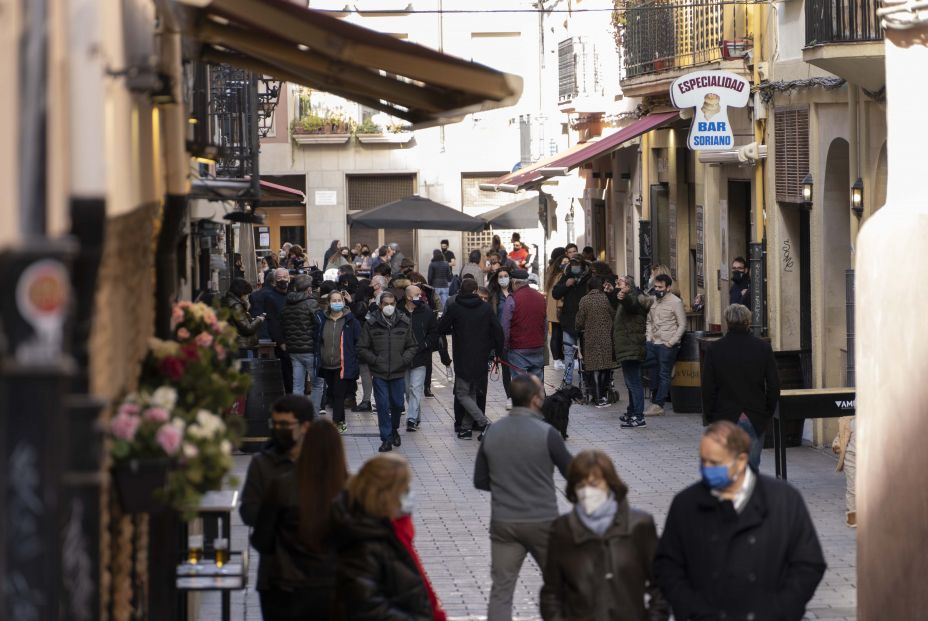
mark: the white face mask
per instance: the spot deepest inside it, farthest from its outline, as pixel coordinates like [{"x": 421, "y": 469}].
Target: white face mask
[
  {"x": 408, "y": 502},
  {"x": 389, "y": 310},
  {"x": 591, "y": 498},
  {"x": 503, "y": 282}
]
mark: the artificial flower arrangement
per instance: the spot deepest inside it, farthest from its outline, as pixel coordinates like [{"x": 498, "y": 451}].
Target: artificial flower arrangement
[{"x": 181, "y": 416}]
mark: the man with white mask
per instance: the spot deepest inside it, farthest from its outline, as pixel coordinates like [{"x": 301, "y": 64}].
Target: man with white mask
[{"x": 516, "y": 464}]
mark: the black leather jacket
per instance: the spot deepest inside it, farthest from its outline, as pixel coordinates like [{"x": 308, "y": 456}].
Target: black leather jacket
[{"x": 298, "y": 320}]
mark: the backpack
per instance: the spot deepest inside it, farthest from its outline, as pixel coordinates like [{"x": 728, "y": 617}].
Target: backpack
[{"x": 455, "y": 285}]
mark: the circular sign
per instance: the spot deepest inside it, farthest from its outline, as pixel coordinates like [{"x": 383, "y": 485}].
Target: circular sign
[{"x": 43, "y": 292}]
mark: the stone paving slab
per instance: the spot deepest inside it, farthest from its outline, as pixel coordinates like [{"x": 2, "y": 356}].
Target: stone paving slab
[{"x": 452, "y": 518}]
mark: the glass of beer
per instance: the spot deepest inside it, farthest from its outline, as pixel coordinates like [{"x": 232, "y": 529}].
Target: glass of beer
[
  {"x": 221, "y": 546},
  {"x": 194, "y": 549}
]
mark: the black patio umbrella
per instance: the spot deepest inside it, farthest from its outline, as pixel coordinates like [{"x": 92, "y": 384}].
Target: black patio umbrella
[
  {"x": 521, "y": 214},
  {"x": 416, "y": 212}
]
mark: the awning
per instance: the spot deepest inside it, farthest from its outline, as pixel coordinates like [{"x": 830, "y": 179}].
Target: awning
[
  {"x": 416, "y": 212},
  {"x": 559, "y": 164},
  {"x": 292, "y": 43},
  {"x": 276, "y": 195},
  {"x": 521, "y": 214},
  {"x": 271, "y": 194}
]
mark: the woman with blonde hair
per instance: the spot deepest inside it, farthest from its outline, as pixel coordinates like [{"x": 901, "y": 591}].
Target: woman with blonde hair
[
  {"x": 601, "y": 554},
  {"x": 378, "y": 571}
]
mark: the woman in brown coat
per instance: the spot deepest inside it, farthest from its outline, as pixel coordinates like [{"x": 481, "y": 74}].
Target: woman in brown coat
[
  {"x": 594, "y": 322},
  {"x": 600, "y": 555}
]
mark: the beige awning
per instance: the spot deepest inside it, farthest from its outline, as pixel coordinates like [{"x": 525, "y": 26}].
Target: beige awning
[{"x": 296, "y": 44}]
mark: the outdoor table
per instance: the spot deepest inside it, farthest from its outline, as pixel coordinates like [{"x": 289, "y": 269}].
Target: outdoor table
[
  {"x": 205, "y": 575},
  {"x": 802, "y": 403}
]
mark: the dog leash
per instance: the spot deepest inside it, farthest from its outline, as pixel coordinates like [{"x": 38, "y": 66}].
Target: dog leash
[{"x": 495, "y": 371}]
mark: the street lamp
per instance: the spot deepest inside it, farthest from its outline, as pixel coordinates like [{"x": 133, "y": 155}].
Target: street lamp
[
  {"x": 857, "y": 197},
  {"x": 807, "y": 185}
]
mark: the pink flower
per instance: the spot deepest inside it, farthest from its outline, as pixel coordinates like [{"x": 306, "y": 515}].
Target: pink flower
[
  {"x": 204, "y": 339},
  {"x": 129, "y": 409},
  {"x": 156, "y": 415},
  {"x": 177, "y": 315},
  {"x": 183, "y": 334},
  {"x": 169, "y": 438},
  {"x": 220, "y": 352},
  {"x": 124, "y": 426}
]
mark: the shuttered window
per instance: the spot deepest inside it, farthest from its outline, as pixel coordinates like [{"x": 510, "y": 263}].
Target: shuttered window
[
  {"x": 369, "y": 191},
  {"x": 566, "y": 70},
  {"x": 792, "y": 152}
]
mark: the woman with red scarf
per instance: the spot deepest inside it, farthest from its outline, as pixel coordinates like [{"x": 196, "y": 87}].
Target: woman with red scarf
[{"x": 379, "y": 576}]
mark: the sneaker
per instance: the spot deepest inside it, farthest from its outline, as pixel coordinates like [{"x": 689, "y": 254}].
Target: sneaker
[
  {"x": 386, "y": 447},
  {"x": 465, "y": 434},
  {"x": 602, "y": 403},
  {"x": 624, "y": 418},
  {"x": 412, "y": 425},
  {"x": 654, "y": 410},
  {"x": 364, "y": 406},
  {"x": 483, "y": 431},
  {"x": 634, "y": 423},
  {"x": 558, "y": 365},
  {"x": 342, "y": 427},
  {"x": 508, "y": 404},
  {"x": 396, "y": 438}
]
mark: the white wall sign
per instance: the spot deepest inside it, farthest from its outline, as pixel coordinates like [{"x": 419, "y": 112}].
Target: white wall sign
[
  {"x": 326, "y": 198},
  {"x": 710, "y": 94}
]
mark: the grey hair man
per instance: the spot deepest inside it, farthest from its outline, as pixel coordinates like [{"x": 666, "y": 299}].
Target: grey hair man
[
  {"x": 525, "y": 327},
  {"x": 396, "y": 261},
  {"x": 740, "y": 381}
]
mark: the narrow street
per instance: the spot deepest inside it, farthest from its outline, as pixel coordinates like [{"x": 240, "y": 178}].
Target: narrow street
[{"x": 452, "y": 517}]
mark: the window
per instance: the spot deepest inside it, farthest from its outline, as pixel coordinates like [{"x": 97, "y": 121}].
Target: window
[
  {"x": 791, "y": 132},
  {"x": 369, "y": 191},
  {"x": 293, "y": 234}
]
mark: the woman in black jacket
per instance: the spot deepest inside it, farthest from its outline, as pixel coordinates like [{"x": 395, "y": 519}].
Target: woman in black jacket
[
  {"x": 379, "y": 576},
  {"x": 600, "y": 555},
  {"x": 440, "y": 275},
  {"x": 294, "y": 525}
]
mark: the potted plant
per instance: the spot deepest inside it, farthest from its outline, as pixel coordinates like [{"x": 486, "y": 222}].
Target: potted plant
[
  {"x": 370, "y": 132},
  {"x": 331, "y": 128},
  {"x": 172, "y": 440}
]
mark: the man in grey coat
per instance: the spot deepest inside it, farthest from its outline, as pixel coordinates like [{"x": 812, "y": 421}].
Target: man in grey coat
[{"x": 516, "y": 464}]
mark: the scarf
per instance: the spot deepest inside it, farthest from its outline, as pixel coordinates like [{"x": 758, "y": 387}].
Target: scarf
[
  {"x": 601, "y": 519},
  {"x": 405, "y": 531}
]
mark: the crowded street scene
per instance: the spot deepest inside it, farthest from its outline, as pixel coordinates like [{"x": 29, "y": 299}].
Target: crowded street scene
[{"x": 369, "y": 310}]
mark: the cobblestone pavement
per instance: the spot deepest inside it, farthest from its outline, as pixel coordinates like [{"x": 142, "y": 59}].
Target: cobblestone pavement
[{"x": 452, "y": 518}]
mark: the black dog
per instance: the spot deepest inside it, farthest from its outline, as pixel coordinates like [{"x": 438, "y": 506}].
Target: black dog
[{"x": 556, "y": 409}]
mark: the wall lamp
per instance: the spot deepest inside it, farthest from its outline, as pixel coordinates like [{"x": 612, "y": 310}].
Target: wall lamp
[
  {"x": 857, "y": 197},
  {"x": 807, "y": 186}
]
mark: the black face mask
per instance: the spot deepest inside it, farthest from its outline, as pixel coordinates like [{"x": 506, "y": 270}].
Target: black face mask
[
  {"x": 659, "y": 294},
  {"x": 737, "y": 276},
  {"x": 284, "y": 439}
]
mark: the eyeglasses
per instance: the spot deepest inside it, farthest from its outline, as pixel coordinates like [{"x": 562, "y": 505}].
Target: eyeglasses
[{"x": 278, "y": 424}]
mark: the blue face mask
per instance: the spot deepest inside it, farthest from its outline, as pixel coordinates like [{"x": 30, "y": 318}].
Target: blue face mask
[
  {"x": 716, "y": 477},
  {"x": 418, "y": 302},
  {"x": 337, "y": 307}
]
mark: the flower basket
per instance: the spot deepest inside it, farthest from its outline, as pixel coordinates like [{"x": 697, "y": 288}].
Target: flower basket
[{"x": 137, "y": 482}]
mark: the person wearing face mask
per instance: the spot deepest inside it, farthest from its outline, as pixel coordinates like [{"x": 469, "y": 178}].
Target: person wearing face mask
[
  {"x": 500, "y": 286},
  {"x": 236, "y": 300},
  {"x": 740, "y": 290},
  {"x": 740, "y": 380},
  {"x": 379, "y": 574},
  {"x": 336, "y": 354},
  {"x": 425, "y": 331},
  {"x": 362, "y": 263},
  {"x": 738, "y": 544},
  {"x": 388, "y": 346},
  {"x": 524, "y": 327},
  {"x": 664, "y": 330},
  {"x": 516, "y": 463},
  {"x": 570, "y": 289},
  {"x": 299, "y": 322},
  {"x": 291, "y": 417},
  {"x": 600, "y": 554},
  {"x": 274, "y": 301},
  {"x": 440, "y": 275}
]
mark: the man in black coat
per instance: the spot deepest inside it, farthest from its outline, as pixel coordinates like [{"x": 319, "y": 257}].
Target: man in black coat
[
  {"x": 291, "y": 417},
  {"x": 274, "y": 302},
  {"x": 476, "y": 332},
  {"x": 740, "y": 381},
  {"x": 571, "y": 288},
  {"x": 738, "y": 544},
  {"x": 740, "y": 290}
]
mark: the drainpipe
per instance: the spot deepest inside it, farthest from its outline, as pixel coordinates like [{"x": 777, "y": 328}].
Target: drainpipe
[
  {"x": 853, "y": 109},
  {"x": 644, "y": 222},
  {"x": 758, "y": 243}
]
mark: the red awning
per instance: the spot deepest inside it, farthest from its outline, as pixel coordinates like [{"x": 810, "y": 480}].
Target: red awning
[
  {"x": 276, "y": 195},
  {"x": 577, "y": 155}
]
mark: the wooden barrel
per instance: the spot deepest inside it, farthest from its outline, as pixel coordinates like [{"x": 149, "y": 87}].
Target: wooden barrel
[
  {"x": 267, "y": 386},
  {"x": 686, "y": 385}
]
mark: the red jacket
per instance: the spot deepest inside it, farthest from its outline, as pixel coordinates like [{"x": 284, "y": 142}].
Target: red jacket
[{"x": 525, "y": 319}]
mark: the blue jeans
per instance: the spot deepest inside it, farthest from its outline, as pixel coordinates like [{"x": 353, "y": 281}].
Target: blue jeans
[
  {"x": 532, "y": 360},
  {"x": 303, "y": 367},
  {"x": 631, "y": 371},
  {"x": 570, "y": 352},
  {"x": 663, "y": 358},
  {"x": 415, "y": 390},
  {"x": 442, "y": 295},
  {"x": 389, "y": 397},
  {"x": 757, "y": 441}
]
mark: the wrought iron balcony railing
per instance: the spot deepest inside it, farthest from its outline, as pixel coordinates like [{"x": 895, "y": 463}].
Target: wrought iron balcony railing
[
  {"x": 841, "y": 21},
  {"x": 674, "y": 34}
]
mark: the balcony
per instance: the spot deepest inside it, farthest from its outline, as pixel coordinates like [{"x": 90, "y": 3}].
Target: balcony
[
  {"x": 844, "y": 37},
  {"x": 664, "y": 39}
]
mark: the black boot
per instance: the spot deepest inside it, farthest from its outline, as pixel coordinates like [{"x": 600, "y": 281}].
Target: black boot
[
  {"x": 396, "y": 438},
  {"x": 386, "y": 447}
]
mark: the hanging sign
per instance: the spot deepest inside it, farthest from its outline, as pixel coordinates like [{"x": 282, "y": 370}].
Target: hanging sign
[{"x": 710, "y": 94}]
